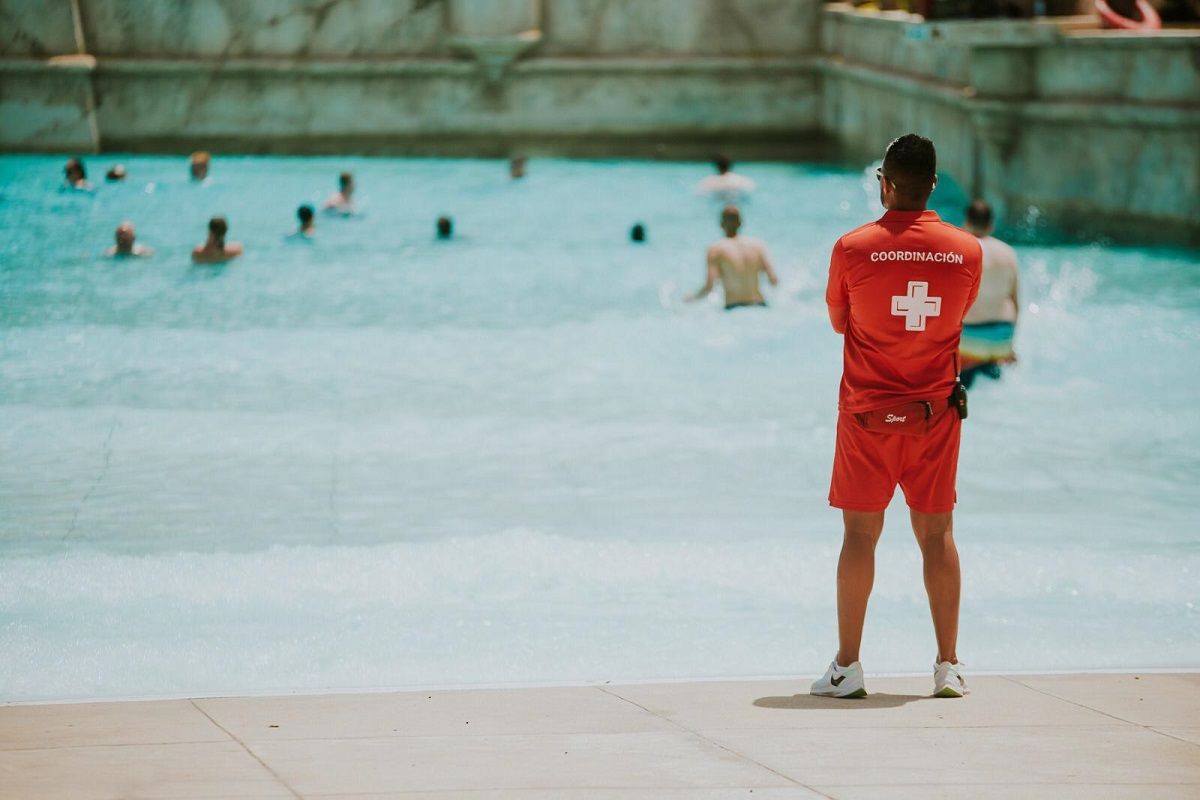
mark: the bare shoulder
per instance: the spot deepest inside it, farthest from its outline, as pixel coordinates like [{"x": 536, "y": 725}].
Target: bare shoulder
[{"x": 1007, "y": 251}]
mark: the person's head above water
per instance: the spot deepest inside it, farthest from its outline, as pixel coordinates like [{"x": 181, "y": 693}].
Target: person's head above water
[
  {"x": 722, "y": 163},
  {"x": 217, "y": 228},
  {"x": 637, "y": 233},
  {"x": 516, "y": 167},
  {"x": 199, "y": 164},
  {"x": 731, "y": 220},
  {"x": 305, "y": 214},
  {"x": 979, "y": 218},
  {"x": 116, "y": 173},
  {"x": 346, "y": 183},
  {"x": 445, "y": 227},
  {"x": 125, "y": 237},
  {"x": 75, "y": 172},
  {"x": 909, "y": 173}
]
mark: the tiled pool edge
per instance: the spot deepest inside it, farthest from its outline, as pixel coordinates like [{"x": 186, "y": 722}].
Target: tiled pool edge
[{"x": 1121, "y": 735}]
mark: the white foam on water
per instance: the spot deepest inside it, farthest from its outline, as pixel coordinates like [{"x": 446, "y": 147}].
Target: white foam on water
[{"x": 522, "y": 606}]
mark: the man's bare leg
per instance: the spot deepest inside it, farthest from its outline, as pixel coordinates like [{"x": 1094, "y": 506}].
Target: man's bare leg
[
  {"x": 943, "y": 579},
  {"x": 855, "y": 576}
]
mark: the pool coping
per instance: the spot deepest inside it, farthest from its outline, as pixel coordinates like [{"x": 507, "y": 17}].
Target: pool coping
[{"x": 1033, "y": 735}]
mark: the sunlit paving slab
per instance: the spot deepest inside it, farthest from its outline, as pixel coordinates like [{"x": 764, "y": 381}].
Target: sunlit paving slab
[
  {"x": 1060, "y": 736},
  {"x": 185, "y": 770},
  {"x": 1152, "y": 699},
  {"x": 554, "y": 710}
]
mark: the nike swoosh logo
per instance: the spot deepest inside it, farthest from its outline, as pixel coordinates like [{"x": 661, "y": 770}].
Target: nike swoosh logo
[{"x": 838, "y": 680}]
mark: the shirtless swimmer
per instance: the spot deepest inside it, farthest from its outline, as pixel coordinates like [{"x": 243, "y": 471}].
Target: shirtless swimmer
[{"x": 736, "y": 261}]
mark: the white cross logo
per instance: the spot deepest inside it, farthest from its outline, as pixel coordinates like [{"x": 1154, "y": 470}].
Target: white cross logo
[{"x": 916, "y": 306}]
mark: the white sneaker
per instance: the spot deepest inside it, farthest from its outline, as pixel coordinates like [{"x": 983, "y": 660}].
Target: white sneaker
[
  {"x": 948, "y": 681},
  {"x": 840, "y": 682}
]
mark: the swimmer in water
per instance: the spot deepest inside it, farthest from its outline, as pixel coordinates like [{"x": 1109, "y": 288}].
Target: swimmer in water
[
  {"x": 115, "y": 173},
  {"x": 990, "y": 323},
  {"x": 308, "y": 225},
  {"x": 516, "y": 167},
  {"x": 76, "y": 176},
  {"x": 726, "y": 185},
  {"x": 198, "y": 164},
  {"x": 215, "y": 250},
  {"x": 637, "y": 233},
  {"x": 445, "y": 228},
  {"x": 340, "y": 202},
  {"x": 736, "y": 261},
  {"x": 127, "y": 246}
]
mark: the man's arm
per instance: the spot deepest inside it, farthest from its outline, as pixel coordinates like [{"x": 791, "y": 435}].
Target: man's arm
[
  {"x": 973, "y": 292},
  {"x": 713, "y": 273},
  {"x": 839, "y": 316},
  {"x": 837, "y": 299},
  {"x": 1015, "y": 300},
  {"x": 767, "y": 267}
]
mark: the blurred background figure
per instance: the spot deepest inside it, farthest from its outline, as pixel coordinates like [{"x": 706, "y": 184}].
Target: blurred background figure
[
  {"x": 341, "y": 202},
  {"x": 637, "y": 233},
  {"x": 736, "y": 262},
  {"x": 215, "y": 250},
  {"x": 308, "y": 224},
  {"x": 988, "y": 328},
  {"x": 126, "y": 246},
  {"x": 726, "y": 185},
  {"x": 199, "y": 164},
  {"x": 516, "y": 167},
  {"x": 115, "y": 173},
  {"x": 75, "y": 175},
  {"x": 445, "y": 228}
]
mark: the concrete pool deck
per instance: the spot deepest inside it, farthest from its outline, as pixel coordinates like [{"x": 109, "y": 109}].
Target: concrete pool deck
[{"x": 1134, "y": 735}]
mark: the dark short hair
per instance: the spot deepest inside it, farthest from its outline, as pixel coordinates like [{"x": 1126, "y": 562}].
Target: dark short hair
[
  {"x": 979, "y": 213},
  {"x": 218, "y": 225},
  {"x": 911, "y": 164},
  {"x": 722, "y": 162},
  {"x": 305, "y": 213},
  {"x": 638, "y": 232},
  {"x": 75, "y": 162},
  {"x": 445, "y": 227},
  {"x": 345, "y": 177}
]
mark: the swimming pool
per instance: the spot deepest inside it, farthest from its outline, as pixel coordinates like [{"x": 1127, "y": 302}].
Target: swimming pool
[{"x": 380, "y": 460}]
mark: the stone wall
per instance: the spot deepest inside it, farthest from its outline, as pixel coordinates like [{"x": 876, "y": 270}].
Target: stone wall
[
  {"x": 1089, "y": 131},
  {"x": 416, "y": 76}
]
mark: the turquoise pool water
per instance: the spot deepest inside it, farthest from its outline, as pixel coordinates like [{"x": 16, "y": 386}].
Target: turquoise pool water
[{"x": 380, "y": 460}]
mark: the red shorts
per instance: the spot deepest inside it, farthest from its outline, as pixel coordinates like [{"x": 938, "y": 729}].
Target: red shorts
[{"x": 868, "y": 465}]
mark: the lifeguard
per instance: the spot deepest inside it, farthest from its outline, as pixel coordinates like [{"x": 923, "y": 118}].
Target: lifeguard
[{"x": 898, "y": 290}]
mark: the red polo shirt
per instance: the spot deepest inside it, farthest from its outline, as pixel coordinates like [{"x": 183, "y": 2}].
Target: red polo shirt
[{"x": 908, "y": 279}]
